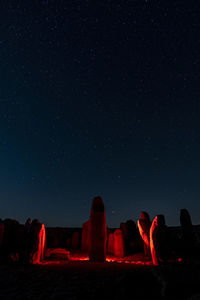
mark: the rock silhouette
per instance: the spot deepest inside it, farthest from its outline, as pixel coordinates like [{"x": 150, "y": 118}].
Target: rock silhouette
[
  {"x": 131, "y": 236},
  {"x": 1, "y": 232},
  {"x": 97, "y": 231},
  {"x": 85, "y": 236},
  {"x": 190, "y": 248},
  {"x": 75, "y": 240},
  {"x": 10, "y": 240},
  {"x": 28, "y": 224}
]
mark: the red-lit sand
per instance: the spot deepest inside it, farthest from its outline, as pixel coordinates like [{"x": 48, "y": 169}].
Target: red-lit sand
[{"x": 137, "y": 259}]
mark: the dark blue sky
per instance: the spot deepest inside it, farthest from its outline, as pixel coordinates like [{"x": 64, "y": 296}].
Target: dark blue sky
[{"x": 99, "y": 98}]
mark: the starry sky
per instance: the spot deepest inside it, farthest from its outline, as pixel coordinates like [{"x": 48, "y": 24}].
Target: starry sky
[{"x": 99, "y": 98}]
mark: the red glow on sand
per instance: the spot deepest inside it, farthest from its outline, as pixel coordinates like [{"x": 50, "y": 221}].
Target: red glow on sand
[
  {"x": 135, "y": 260},
  {"x": 80, "y": 258},
  {"x": 128, "y": 260}
]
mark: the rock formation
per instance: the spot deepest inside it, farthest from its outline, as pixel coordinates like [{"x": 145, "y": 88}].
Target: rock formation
[
  {"x": 1, "y": 232},
  {"x": 144, "y": 225},
  {"x": 159, "y": 240},
  {"x": 27, "y": 225},
  {"x": 10, "y": 241},
  {"x": 97, "y": 231},
  {"x": 131, "y": 236},
  {"x": 111, "y": 243},
  {"x": 85, "y": 236},
  {"x": 190, "y": 248},
  {"x": 118, "y": 243},
  {"x": 75, "y": 241},
  {"x": 36, "y": 242},
  {"x": 57, "y": 254}
]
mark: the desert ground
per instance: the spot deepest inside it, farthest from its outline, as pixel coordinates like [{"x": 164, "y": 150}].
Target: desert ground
[{"x": 132, "y": 277}]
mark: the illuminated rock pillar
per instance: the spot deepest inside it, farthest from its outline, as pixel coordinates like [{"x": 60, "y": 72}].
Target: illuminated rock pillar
[
  {"x": 144, "y": 225},
  {"x": 152, "y": 241},
  {"x": 42, "y": 242},
  {"x": 36, "y": 242},
  {"x": 118, "y": 243},
  {"x": 159, "y": 240},
  {"x": 97, "y": 231},
  {"x": 111, "y": 243}
]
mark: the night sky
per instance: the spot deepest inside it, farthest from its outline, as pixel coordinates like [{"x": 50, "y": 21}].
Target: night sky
[{"x": 99, "y": 98}]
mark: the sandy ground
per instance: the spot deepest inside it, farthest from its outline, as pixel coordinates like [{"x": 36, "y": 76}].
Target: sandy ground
[{"x": 75, "y": 279}]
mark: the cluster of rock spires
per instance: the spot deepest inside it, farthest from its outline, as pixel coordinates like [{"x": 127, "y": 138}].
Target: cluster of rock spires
[
  {"x": 164, "y": 245},
  {"x": 98, "y": 240},
  {"x": 31, "y": 243},
  {"x": 24, "y": 243}
]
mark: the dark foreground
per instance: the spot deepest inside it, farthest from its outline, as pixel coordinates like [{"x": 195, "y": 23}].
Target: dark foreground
[{"x": 110, "y": 280}]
